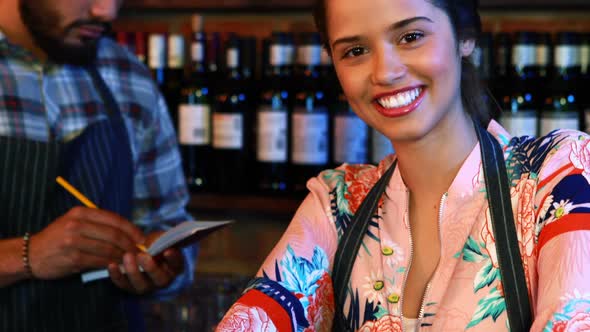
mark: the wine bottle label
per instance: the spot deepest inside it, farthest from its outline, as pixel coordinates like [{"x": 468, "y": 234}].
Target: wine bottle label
[
  {"x": 194, "y": 124},
  {"x": 272, "y": 135},
  {"x": 277, "y": 55},
  {"x": 567, "y": 56},
  {"x": 309, "y": 55},
  {"x": 524, "y": 55},
  {"x": 289, "y": 54},
  {"x": 542, "y": 55},
  {"x": 501, "y": 59},
  {"x": 228, "y": 131},
  {"x": 232, "y": 58},
  {"x": 521, "y": 123},
  {"x": 310, "y": 139},
  {"x": 380, "y": 147},
  {"x": 558, "y": 120},
  {"x": 175, "y": 51},
  {"x": 350, "y": 139},
  {"x": 157, "y": 51},
  {"x": 197, "y": 52},
  {"x": 585, "y": 58}
]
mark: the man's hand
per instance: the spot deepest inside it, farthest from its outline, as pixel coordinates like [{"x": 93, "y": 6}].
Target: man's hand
[
  {"x": 159, "y": 271},
  {"x": 82, "y": 239}
]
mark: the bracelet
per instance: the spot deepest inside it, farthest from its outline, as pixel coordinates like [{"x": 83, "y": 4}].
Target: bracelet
[{"x": 26, "y": 261}]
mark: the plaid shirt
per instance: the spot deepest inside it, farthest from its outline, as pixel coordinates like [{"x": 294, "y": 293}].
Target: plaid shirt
[{"x": 44, "y": 101}]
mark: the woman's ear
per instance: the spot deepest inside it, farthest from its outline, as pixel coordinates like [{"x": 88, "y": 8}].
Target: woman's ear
[{"x": 466, "y": 47}]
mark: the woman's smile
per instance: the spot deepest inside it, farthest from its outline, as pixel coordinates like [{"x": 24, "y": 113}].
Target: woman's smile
[{"x": 399, "y": 102}]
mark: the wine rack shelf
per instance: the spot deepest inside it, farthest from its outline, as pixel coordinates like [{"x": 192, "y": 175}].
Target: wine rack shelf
[{"x": 254, "y": 5}]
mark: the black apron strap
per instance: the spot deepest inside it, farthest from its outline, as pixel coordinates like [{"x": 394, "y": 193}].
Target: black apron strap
[
  {"x": 350, "y": 243},
  {"x": 518, "y": 307},
  {"x": 123, "y": 181}
]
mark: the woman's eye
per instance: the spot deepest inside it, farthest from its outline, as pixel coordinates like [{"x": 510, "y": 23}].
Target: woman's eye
[
  {"x": 354, "y": 52},
  {"x": 411, "y": 37}
]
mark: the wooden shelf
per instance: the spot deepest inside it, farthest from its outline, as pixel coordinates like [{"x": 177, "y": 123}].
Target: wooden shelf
[
  {"x": 248, "y": 5},
  {"x": 245, "y": 203},
  {"x": 279, "y": 5}
]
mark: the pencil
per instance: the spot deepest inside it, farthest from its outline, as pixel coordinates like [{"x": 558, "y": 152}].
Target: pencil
[
  {"x": 75, "y": 192},
  {"x": 141, "y": 247},
  {"x": 67, "y": 186}
]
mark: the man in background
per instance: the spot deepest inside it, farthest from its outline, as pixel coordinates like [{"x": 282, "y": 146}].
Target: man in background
[{"x": 76, "y": 105}]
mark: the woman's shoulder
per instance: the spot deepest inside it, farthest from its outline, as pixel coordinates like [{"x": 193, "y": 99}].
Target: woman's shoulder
[
  {"x": 353, "y": 174},
  {"x": 543, "y": 156},
  {"x": 348, "y": 184}
]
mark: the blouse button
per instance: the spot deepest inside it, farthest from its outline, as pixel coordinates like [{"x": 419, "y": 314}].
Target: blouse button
[
  {"x": 393, "y": 298},
  {"x": 387, "y": 251},
  {"x": 378, "y": 285}
]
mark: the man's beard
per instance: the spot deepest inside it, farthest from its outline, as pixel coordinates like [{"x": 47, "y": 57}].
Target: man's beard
[{"x": 44, "y": 25}]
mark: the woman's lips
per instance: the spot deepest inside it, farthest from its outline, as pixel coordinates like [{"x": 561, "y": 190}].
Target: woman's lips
[{"x": 402, "y": 110}]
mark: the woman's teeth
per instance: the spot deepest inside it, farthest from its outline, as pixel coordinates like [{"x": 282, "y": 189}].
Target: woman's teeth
[{"x": 400, "y": 99}]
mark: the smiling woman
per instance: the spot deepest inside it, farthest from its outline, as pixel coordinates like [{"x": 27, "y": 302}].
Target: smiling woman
[{"x": 415, "y": 243}]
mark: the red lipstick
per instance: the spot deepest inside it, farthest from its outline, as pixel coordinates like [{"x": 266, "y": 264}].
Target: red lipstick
[{"x": 399, "y": 111}]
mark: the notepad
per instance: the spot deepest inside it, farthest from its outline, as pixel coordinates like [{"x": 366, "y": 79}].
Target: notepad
[{"x": 179, "y": 236}]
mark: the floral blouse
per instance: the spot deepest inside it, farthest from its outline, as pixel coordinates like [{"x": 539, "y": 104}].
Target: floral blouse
[{"x": 550, "y": 192}]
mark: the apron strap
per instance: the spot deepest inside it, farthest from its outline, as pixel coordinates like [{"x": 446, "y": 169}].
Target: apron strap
[
  {"x": 516, "y": 296},
  {"x": 350, "y": 243},
  {"x": 112, "y": 107},
  {"x": 131, "y": 304}
]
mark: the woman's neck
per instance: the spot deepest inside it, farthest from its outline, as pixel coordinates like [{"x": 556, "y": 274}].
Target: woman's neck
[{"x": 429, "y": 166}]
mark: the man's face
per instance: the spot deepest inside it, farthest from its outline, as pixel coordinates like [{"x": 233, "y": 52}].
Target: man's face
[{"x": 68, "y": 30}]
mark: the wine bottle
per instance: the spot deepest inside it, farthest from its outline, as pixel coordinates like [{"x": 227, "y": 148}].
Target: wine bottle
[
  {"x": 248, "y": 57},
  {"x": 194, "y": 120},
  {"x": 272, "y": 125},
  {"x": 520, "y": 116},
  {"x": 139, "y": 46},
  {"x": 310, "y": 118},
  {"x": 215, "y": 62},
  {"x": 483, "y": 60},
  {"x": 351, "y": 135},
  {"x": 561, "y": 109},
  {"x": 157, "y": 58},
  {"x": 174, "y": 73},
  {"x": 229, "y": 125}
]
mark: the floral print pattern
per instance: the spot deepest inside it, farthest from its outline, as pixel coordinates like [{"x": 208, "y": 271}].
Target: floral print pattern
[
  {"x": 580, "y": 157},
  {"x": 245, "y": 318},
  {"x": 575, "y": 316},
  {"x": 387, "y": 323},
  {"x": 375, "y": 288}
]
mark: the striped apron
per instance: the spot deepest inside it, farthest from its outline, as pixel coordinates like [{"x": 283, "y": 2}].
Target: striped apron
[{"x": 98, "y": 162}]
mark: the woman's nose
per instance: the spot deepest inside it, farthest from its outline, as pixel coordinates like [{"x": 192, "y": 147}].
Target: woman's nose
[{"x": 388, "y": 66}]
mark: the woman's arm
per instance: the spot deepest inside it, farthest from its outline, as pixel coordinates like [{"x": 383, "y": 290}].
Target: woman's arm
[
  {"x": 563, "y": 265},
  {"x": 293, "y": 288}
]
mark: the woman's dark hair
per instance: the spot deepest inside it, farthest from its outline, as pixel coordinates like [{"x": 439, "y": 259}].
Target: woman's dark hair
[{"x": 466, "y": 25}]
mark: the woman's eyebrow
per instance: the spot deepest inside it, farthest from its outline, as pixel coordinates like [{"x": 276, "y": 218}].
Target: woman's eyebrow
[{"x": 395, "y": 26}]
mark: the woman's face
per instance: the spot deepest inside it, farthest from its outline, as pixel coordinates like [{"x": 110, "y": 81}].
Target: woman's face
[{"x": 398, "y": 64}]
